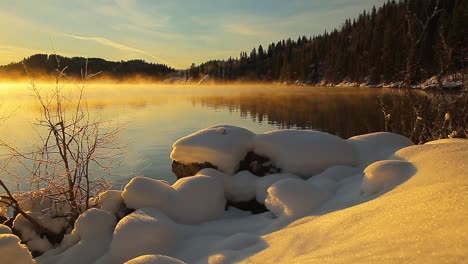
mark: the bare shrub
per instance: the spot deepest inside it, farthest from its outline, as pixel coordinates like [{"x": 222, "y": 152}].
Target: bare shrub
[
  {"x": 68, "y": 164},
  {"x": 424, "y": 117}
]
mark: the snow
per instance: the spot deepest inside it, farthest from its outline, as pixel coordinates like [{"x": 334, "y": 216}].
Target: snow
[
  {"x": 390, "y": 201},
  {"x": 384, "y": 175},
  {"x": 377, "y": 146},
  {"x": 189, "y": 200},
  {"x": 304, "y": 152},
  {"x": 421, "y": 220},
  {"x": 237, "y": 188},
  {"x": 197, "y": 199},
  {"x": 294, "y": 198},
  {"x": 88, "y": 241},
  {"x": 146, "y": 231},
  {"x": 142, "y": 192},
  {"x": 28, "y": 234},
  {"x": 110, "y": 201},
  {"x": 264, "y": 183},
  {"x": 223, "y": 146},
  {"x": 4, "y": 229},
  {"x": 154, "y": 259},
  {"x": 11, "y": 251}
]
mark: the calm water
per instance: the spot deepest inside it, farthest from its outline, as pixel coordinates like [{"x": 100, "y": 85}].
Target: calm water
[{"x": 156, "y": 116}]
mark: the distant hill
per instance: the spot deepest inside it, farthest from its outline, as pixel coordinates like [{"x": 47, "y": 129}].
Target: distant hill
[
  {"x": 377, "y": 46},
  {"x": 45, "y": 66}
]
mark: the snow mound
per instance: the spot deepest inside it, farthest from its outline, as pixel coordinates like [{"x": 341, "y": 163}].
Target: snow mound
[
  {"x": 377, "y": 146},
  {"x": 197, "y": 199},
  {"x": 237, "y": 188},
  {"x": 94, "y": 223},
  {"x": 110, "y": 201},
  {"x": 263, "y": 183},
  {"x": 142, "y": 192},
  {"x": 422, "y": 220},
  {"x": 223, "y": 146},
  {"x": 4, "y": 229},
  {"x": 89, "y": 239},
  {"x": 154, "y": 259},
  {"x": 12, "y": 251},
  {"x": 34, "y": 241},
  {"x": 304, "y": 152},
  {"x": 384, "y": 175},
  {"x": 146, "y": 231},
  {"x": 294, "y": 198},
  {"x": 189, "y": 200}
]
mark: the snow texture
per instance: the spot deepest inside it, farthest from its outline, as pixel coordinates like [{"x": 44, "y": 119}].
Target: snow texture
[
  {"x": 294, "y": 198},
  {"x": 304, "y": 152},
  {"x": 264, "y": 183},
  {"x": 4, "y": 229},
  {"x": 12, "y": 251},
  {"x": 28, "y": 234},
  {"x": 222, "y": 145},
  {"x": 237, "y": 188},
  {"x": 88, "y": 241},
  {"x": 384, "y": 175},
  {"x": 146, "y": 231},
  {"x": 154, "y": 259},
  {"x": 110, "y": 201},
  {"x": 377, "y": 146},
  {"x": 189, "y": 200},
  {"x": 143, "y": 192}
]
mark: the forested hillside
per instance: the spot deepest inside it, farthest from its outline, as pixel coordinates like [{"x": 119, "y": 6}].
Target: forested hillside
[
  {"x": 43, "y": 65},
  {"x": 402, "y": 40}
]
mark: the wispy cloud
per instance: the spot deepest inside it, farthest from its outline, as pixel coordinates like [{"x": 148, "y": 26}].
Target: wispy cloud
[{"x": 119, "y": 46}]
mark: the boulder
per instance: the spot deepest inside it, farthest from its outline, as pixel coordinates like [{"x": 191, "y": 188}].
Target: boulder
[
  {"x": 257, "y": 164},
  {"x": 182, "y": 170}
]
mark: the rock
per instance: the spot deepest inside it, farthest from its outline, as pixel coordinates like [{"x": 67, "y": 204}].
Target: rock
[
  {"x": 258, "y": 165},
  {"x": 185, "y": 170},
  {"x": 253, "y": 206}
]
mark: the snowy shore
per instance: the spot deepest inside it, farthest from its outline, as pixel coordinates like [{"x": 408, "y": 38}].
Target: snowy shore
[{"x": 371, "y": 198}]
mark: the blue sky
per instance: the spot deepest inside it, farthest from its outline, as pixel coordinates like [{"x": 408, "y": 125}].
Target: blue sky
[{"x": 173, "y": 32}]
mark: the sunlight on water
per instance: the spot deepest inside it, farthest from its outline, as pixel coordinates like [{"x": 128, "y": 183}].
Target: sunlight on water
[{"x": 157, "y": 115}]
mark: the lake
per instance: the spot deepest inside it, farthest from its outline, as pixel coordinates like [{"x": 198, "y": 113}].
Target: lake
[{"x": 157, "y": 115}]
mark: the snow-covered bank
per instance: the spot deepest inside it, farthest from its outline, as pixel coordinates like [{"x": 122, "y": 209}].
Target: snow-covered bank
[{"x": 370, "y": 198}]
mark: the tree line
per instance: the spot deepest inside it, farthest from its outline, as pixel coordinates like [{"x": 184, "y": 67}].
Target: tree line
[
  {"x": 45, "y": 65},
  {"x": 425, "y": 37}
]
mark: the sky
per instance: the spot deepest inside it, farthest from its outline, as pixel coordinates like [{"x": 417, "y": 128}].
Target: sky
[{"x": 173, "y": 32}]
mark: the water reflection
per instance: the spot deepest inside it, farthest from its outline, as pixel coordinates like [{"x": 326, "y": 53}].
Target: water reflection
[
  {"x": 156, "y": 116},
  {"x": 346, "y": 112}
]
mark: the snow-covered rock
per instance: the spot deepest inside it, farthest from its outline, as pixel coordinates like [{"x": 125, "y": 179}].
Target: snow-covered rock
[
  {"x": 143, "y": 192},
  {"x": 145, "y": 231},
  {"x": 224, "y": 146},
  {"x": 261, "y": 188},
  {"x": 188, "y": 200},
  {"x": 197, "y": 199},
  {"x": 377, "y": 146},
  {"x": 12, "y": 251},
  {"x": 237, "y": 188},
  {"x": 401, "y": 203},
  {"x": 33, "y": 240},
  {"x": 304, "y": 152},
  {"x": 110, "y": 201},
  {"x": 88, "y": 241}
]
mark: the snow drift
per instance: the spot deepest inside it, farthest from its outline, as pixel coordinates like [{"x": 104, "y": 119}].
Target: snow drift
[{"x": 370, "y": 198}]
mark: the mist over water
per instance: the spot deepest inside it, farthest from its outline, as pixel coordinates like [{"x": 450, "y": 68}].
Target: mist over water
[{"x": 157, "y": 115}]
